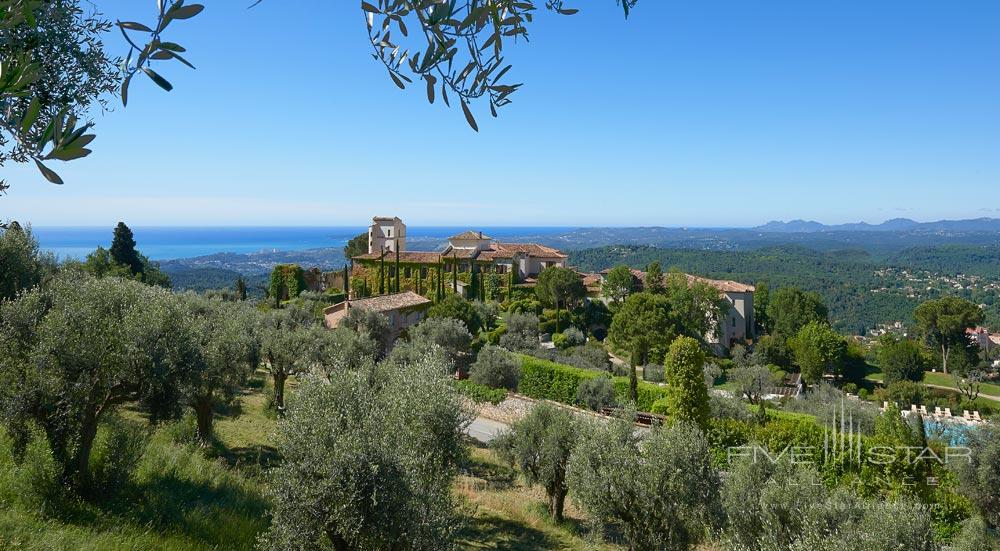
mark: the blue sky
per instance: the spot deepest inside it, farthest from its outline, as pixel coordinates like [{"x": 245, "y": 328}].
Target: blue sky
[{"x": 688, "y": 114}]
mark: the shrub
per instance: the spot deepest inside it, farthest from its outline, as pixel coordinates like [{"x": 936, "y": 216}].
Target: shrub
[
  {"x": 496, "y": 368},
  {"x": 596, "y": 394},
  {"x": 660, "y": 407},
  {"x": 574, "y": 337},
  {"x": 590, "y": 356},
  {"x": 652, "y": 373},
  {"x": 481, "y": 393},
  {"x": 905, "y": 393},
  {"x": 851, "y": 388},
  {"x": 863, "y": 393},
  {"x": 521, "y": 332},
  {"x": 117, "y": 450},
  {"x": 647, "y": 393},
  {"x": 548, "y": 380},
  {"x": 560, "y": 340},
  {"x": 33, "y": 483},
  {"x": 979, "y": 478},
  {"x": 551, "y": 381},
  {"x": 685, "y": 373}
]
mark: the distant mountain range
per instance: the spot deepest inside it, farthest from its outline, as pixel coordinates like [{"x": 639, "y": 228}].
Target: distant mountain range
[{"x": 894, "y": 225}]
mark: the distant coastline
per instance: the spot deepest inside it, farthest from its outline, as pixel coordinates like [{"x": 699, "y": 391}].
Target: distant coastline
[{"x": 176, "y": 243}]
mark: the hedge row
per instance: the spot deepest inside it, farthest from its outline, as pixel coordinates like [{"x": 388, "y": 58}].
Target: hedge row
[
  {"x": 480, "y": 393},
  {"x": 547, "y": 380}
]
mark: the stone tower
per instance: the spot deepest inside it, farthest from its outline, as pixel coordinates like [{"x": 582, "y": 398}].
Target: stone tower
[{"x": 385, "y": 234}]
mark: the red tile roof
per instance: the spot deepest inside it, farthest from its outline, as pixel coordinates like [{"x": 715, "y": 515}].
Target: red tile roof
[
  {"x": 471, "y": 235},
  {"x": 387, "y": 303}
]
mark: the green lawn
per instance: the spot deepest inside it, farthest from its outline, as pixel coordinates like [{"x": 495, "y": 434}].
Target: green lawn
[{"x": 942, "y": 380}]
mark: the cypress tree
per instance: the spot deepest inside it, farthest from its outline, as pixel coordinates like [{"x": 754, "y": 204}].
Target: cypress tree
[
  {"x": 347, "y": 287},
  {"x": 123, "y": 249},
  {"x": 510, "y": 284},
  {"x": 241, "y": 288},
  {"x": 454, "y": 272},
  {"x": 398, "y": 272},
  {"x": 440, "y": 281},
  {"x": 381, "y": 274},
  {"x": 633, "y": 379},
  {"x": 473, "y": 281}
]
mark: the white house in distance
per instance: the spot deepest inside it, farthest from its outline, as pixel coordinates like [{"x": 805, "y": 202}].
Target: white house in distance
[{"x": 738, "y": 325}]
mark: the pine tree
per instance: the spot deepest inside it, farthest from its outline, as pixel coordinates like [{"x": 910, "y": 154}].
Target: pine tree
[{"x": 123, "y": 249}]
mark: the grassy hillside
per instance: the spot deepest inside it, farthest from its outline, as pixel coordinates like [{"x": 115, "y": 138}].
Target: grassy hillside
[{"x": 182, "y": 497}]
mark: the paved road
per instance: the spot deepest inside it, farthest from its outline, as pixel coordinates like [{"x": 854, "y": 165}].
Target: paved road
[{"x": 485, "y": 430}]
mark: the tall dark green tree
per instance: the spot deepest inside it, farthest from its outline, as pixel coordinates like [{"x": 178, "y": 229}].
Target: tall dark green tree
[
  {"x": 399, "y": 272},
  {"x": 381, "y": 273},
  {"x": 943, "y": 322},
  {"x": 123, "y": 249},
  {"x": 687, "y": 395},
  {"x": 357, "y": 246},
  {"x": 559, "y": 287},
  {"x": 790, "y": 309},
  {"x": 653, "y": 282},
  {"x": 761, "y": 298},
  {"x": 241, "y": 288},
  {"x": 633, "y": 377}
]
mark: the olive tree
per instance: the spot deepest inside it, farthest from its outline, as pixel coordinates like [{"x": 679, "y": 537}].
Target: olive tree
[
  {"x": 57, "y": 71},
  {"x": 661, "y": 491},
  {"x": 497, "y": 368},
  {"x": 540, "y": 444},
  {"x": 227, "y": 350},
  {"x": 24, "y": 266},
  {"x": 785, "y": 505},
  {"x": 78, "y": 349},
  {"x": 287, "y": 349},
  {"x": 448, "y": 333},
  {"x": 522, "y": 332},
  {"x": 334, "y": 350},
  {"x": 369, "y": 458},
  {"x": 979, "y": 477}
]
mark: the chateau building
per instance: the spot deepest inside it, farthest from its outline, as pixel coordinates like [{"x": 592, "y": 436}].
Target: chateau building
[{"x": 472, "y": 264}]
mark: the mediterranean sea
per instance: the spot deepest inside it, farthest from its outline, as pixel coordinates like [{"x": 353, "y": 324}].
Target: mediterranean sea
[{"x": 169, "y": 243}]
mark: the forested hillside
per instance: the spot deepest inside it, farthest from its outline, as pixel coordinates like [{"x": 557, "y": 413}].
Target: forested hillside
[{"x": 860, "y": 289}]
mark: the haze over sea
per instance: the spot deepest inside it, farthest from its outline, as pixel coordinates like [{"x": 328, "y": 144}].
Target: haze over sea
[{"x": 169, "y": 243}]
